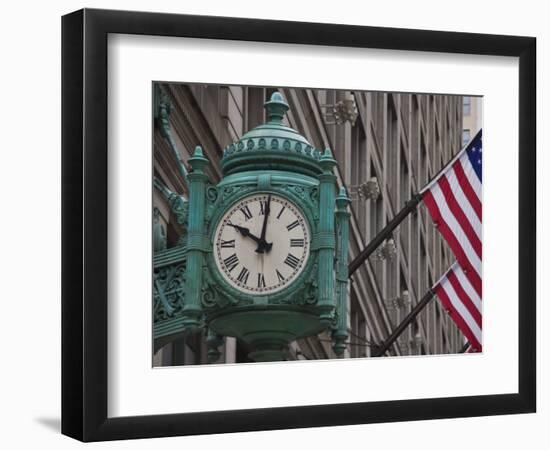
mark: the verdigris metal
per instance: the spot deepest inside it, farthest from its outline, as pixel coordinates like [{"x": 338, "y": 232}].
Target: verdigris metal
[
  {"x": 340, "y": 328},
  {"x": 197, "y": 246},
  {"x": 272, "y": 159}
]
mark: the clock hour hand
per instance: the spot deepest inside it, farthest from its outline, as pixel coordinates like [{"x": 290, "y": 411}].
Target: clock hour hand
[{"x": 245, "y": 232}]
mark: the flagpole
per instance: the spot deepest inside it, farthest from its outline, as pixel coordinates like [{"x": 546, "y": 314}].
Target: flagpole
[
  {"x": 385, "y": 345},
  {"x": 464, "y": 347},
  {"x": 384, "y": 234},
  {"x": 405, "y": 323}
]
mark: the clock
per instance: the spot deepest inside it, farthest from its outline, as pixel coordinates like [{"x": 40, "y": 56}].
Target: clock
[{"x": 261, "y": 244}]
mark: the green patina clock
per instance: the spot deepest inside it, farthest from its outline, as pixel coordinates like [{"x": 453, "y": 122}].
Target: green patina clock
[
  {"x": 261, "y": 243},
  {"x": 266, "y": 248}
]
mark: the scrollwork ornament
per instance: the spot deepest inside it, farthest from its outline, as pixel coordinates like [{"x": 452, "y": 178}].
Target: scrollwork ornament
[
  {"x": 299, "y": 190},
  {"x": 168, "y": 293},
  {"x": 314, "y": 195},
  {"x": 212, "y": 194},
  {"x": 209, "y": 298},
  {"x": 311, "y": 294},
  {"x": 311, "y": 287},
  {"x": 181, "y": 299}
]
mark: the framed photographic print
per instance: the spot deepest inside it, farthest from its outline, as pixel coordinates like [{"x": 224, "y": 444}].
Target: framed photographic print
[{"x": 276, "y": 224}]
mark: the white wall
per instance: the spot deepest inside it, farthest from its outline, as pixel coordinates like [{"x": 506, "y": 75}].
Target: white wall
[{"x": 30, "y": 189}]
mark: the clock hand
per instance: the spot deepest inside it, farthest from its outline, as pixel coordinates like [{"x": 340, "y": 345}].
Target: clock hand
[
  {"x": 263, "y": 245},
  {"x": 245, "y": 232}
]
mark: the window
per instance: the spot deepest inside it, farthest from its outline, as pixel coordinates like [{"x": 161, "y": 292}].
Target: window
[
  {"x": 423, "y": 172},
  {"x": 423, "y": 272},
  {"x": 465, "y": 137},
  {"x": 405, "y": 195},
  {"x": 466, "y": 106},
  {"x": 392, "y": 149},
  {"x": 376, "y": 218},
  {"x": 377, "y": 111},
  {"x": 358, "y": 335},
  {"x": 404, "y": 181},
  {"x": 415, "y": 133},
  {"x": 437, "y": 155},
  {"x": 402, "y": 312},
  {"x": 359, "y": 171},
  {"x": 254, "y": 112},
  {"x": 415, "y": 254}
]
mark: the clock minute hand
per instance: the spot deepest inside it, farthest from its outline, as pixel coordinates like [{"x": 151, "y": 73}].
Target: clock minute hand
[{"x": 263, "y": 245}]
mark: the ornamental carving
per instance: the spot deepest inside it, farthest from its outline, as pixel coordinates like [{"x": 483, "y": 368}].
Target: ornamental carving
[
  {"x": 180, "y": 208},
  {"x": 168, "y": 290}
]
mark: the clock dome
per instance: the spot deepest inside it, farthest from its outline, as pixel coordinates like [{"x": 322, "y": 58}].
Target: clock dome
[{"x": 272, "y": 146}]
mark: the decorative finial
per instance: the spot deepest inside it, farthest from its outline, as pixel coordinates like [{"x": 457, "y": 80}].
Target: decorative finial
[
  {"x": 198, "y": 161},
  {"x": 327, "y": 161},
  {"x": 342, "y": 200},
  {"x": 276, "y": 108}
]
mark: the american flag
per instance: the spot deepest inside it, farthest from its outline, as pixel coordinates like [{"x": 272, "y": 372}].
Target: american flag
[
  {"x": 453, "y": 199},
  {"x": 462, "y": 303}
]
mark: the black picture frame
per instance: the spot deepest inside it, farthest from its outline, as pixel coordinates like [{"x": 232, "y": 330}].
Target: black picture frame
[{"x": 84, "y": 224}]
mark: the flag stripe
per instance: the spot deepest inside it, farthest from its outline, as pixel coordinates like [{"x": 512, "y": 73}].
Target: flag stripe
[
  {"x": 458, "y": 212},
  {"x": 467, "y": 286},
  {"x": 446, "y": 216},
  {"x": 457, "y": 249},
  {"x": 466, "y": 301},
  {"x": 459, "y": 314},
  {"x": 464, "y": 203}
]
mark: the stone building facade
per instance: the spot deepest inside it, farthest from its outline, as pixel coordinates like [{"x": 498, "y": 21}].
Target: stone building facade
[
  {"x": 472, "y": 117},
  {"x": 389, "y": 149}
]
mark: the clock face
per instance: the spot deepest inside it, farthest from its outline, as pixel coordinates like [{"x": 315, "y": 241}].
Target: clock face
[{"x": 261, "y": 244}]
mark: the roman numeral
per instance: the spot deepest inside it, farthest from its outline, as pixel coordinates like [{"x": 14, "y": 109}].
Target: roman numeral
[
  {"x": 280, "y": 212},
  {"x": 292, "y": 225},
  {"x": 246, "y": 212},
  {"x": 228, "y": 244},
  {"x": 261, "y": 280},
  {"x": 297, "y": 242},
  {"x": 292, "y": 261},
  {"x": 243, "y": 276},
  {"x": 231, "y": 262},
  {"x": 263, "y": 205},
  {"x": 279, "y": 276}
]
